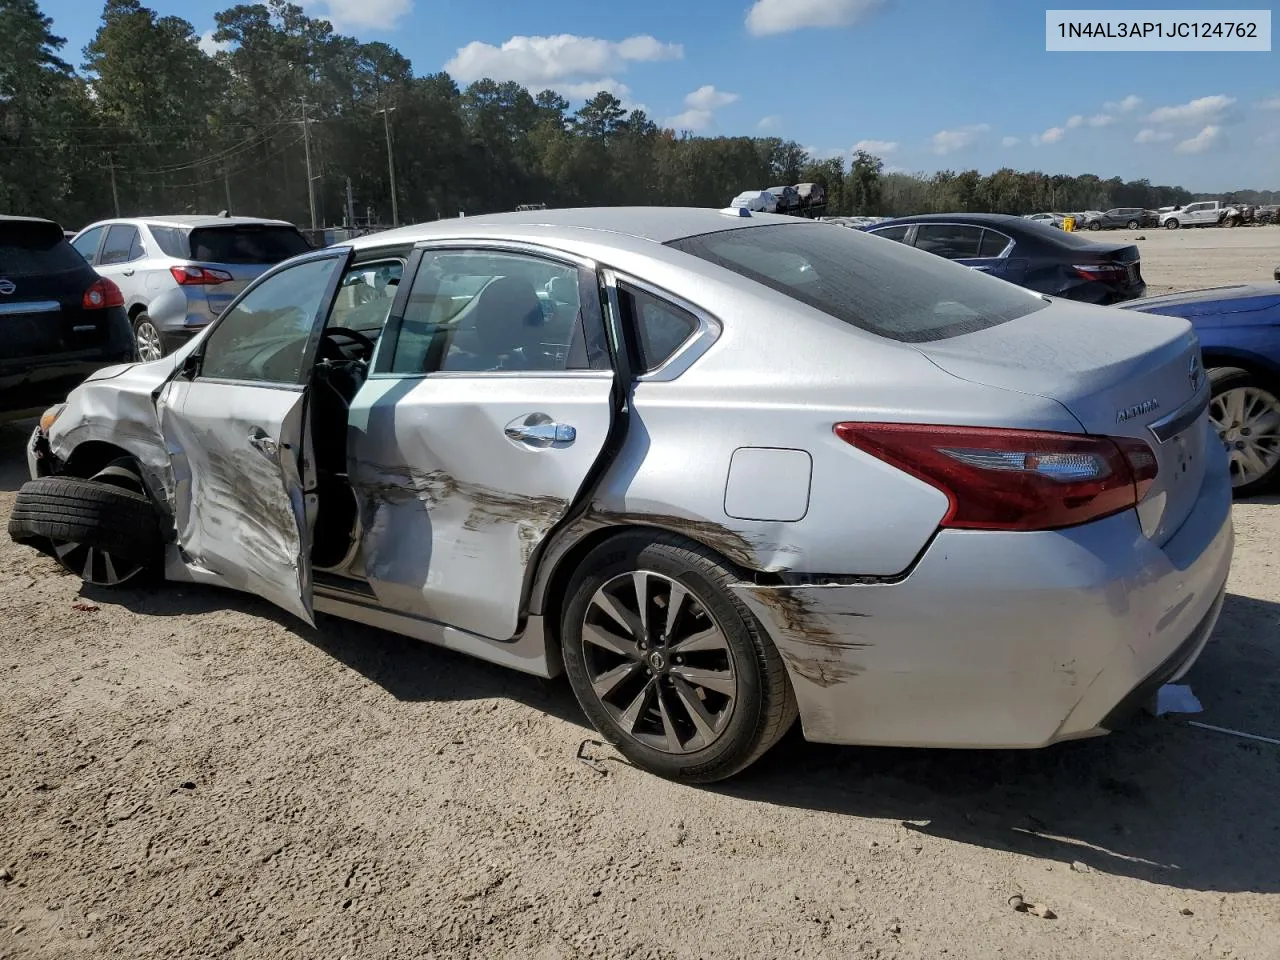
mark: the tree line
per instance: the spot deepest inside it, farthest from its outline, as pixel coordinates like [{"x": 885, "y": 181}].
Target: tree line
[{"x": 151, "y": 123}]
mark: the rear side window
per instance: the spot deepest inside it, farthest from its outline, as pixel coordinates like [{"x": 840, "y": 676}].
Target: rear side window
[
  {"x": 953, "y": 241},
  {"x": 659, "y": 327},
  {"x": 887, "y": 289},
  {"x": 35, "y": 249},
  {"x": 246, "y": 244},
  {"x": 172, "y": 241},
  {"x": 993, "y": 244},
  {"x": 119, "y": 245},
  {"x": 892, "y": 233}
]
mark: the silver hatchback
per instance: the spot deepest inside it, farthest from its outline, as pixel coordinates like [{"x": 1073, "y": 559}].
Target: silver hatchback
[{"x": 178, "y": 273}]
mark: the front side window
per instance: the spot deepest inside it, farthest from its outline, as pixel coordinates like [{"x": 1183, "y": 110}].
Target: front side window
[
  {"x": 887, "y": 289},
  {"x": 479, "y": 311},
  {"x": 119, "y": 246},
  {"x": 265, "y": 337}
]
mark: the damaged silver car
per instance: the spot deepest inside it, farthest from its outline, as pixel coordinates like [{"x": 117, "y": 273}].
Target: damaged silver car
[{"x": 720, "y": 468}]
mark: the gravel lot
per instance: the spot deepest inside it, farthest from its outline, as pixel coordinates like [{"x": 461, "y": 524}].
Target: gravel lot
[{"x": 188, "y": 773}]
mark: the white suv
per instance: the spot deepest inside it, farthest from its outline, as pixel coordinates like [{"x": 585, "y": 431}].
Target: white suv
[{"x": 178, "y": 273}]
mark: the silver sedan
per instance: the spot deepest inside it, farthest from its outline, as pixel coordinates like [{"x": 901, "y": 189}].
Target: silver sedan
[{"x": 720, "y": 468}]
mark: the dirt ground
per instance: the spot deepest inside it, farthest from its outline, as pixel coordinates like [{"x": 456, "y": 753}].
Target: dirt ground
[{"x": 187, "y": 773}]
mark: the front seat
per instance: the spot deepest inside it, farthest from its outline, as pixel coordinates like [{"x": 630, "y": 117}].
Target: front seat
[{"x": 508, "y": 325}]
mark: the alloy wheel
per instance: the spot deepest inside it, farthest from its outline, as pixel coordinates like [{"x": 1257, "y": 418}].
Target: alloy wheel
[
  {"x": 96, "y": 566},
  {"x": 148, "y": 337},
  {"x": 659, "y": 663},
  {"x": 1247, "y": 419}
]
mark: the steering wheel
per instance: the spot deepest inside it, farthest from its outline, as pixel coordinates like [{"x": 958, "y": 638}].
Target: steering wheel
[{"x": 355, "y": 336}]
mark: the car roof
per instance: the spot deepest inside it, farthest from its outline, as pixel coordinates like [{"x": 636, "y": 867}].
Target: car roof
[
  {"x": 656, "y": 224},
  {"x": 980, "y": 219},
  {"x": 9, "y": 218},
  {"x": 194, "y": 220}
]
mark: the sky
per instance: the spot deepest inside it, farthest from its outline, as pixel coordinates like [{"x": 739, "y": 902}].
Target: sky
[{"x": 924, "y": 84}]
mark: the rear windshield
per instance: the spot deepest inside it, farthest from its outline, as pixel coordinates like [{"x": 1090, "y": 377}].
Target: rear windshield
[
  {"x": 35, "y": 249},
  {"x": 246, "y": 244},
  {"x": 872, "y": 283}
]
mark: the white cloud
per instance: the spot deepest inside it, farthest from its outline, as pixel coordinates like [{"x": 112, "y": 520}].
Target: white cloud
[
  {"x": 373, "y": 14},
  {"x": 1201, "y": 110},
  {"x": 1009, "y": 141},
  {"x": 1129, "y": 103},
  {"x": 691, "y": 120},
  {"x": 1101, "y": 120},
  {"x": 589, "y": 88},
  {"x": 1075, "y": 121},
  {"x": 826, "y": 153},
  {"x": 1202, "y": 141},
  {"x": 709, "y": 98},
  {"x": 878, "y": 148},
  {"x": 769, "y": 122},
  {"x": 1052, "y": 135},
  {"x": 209, "y": 45},
  {"x": 1152, "y": 136},
  {"x": 949, "y": 141},
  {"x": 545, "y": 61},
  {"x": 782, "y": 16},
  {"x": 1272, "y": 103}
]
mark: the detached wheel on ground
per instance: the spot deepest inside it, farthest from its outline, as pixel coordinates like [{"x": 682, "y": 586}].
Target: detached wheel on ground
[
  {"x": 148, "y": 338},
  {"x": 667, "y": 664},
  {"x": 104, "y": 530},
  {"x": 1246, "y": 414}
]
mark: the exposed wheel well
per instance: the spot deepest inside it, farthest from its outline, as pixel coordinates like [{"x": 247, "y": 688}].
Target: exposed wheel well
[
  {"x": 1259, "y": 370},
  {"x": 555, "y": 593},
  {"x": 93, "y": 455},
  {"x": 136, "y": 309}
]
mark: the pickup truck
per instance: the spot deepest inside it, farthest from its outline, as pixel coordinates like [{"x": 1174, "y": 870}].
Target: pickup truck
[{"x": 1203, "y": 213}]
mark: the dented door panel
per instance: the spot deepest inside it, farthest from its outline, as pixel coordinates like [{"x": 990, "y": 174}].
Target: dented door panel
[
  {"x": 452, "y": 507},
  {"x": 238, "y": 503}
]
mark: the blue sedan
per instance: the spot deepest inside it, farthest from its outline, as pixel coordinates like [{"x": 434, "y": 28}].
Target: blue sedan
[{"x": 1239, "y": 329}]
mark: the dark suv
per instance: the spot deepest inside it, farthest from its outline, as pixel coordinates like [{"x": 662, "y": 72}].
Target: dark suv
[
  {"x": 59, "y": 320},
  {"x": 1129, "y": 218}
]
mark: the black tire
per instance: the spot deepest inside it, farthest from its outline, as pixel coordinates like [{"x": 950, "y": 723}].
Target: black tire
[
  {"x": 1172, "y": 224},
  {"x": 764, "y": 707},
  {"x": 1095, "y": 225},
  {"x": 1133, "y": 225},
  {"x": 99, "y": 514},
  {"x": 1223, "y": 379}
]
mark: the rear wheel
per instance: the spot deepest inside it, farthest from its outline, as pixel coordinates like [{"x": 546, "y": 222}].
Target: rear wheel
[
  {"x": 1133, "y": 225},
  {"x": 104, "y": 530},
  {"x": 1171, "y": 224},
  {"x": 147, "y": 335},
  {"x": 1246, "y": 415},
  {"x": 668, "y": 665}
]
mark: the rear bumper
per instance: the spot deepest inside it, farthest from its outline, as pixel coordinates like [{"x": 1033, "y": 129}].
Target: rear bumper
[{"x": 1005, "y": 640}]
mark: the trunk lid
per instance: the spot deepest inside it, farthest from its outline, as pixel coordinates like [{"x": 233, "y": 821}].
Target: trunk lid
[{"x": 1128, "y": 375}]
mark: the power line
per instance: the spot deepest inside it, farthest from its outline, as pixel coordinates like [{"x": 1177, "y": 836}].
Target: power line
[{"x": 221, "y": 177}]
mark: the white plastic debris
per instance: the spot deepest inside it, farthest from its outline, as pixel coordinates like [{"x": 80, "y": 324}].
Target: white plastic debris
[{"x": 1173, "y": 698}]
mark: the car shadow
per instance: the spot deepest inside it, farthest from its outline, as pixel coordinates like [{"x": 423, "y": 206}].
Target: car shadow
[
  {"x": 13, "y": 454},
  {"x": 1159, "y": 801},
  {"x": 410, "y": 670}
]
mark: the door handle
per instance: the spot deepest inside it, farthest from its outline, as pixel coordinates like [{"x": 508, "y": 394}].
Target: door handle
[
  {"x": 261, "y": 442},
  {"x": 541, "y": 434},
  {"x": 128, "y": 273}
]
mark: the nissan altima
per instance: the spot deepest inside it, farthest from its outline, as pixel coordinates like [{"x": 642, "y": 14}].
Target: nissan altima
[{"x": 720, "y": 468}]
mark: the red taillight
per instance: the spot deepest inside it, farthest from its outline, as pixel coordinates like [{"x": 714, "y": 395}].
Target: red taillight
[
  {"x": 1001, "y": 479},
  {"x": 1105, "y": 272},
  {"x": 195, "y": 276},
  {"x": 102, "y": 294}
]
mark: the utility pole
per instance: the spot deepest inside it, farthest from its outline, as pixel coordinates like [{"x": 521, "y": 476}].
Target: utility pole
[
  {"x": 226, "y": 182},
  {"x": 391, "y": 165},
  {"x": 306, "y": 145},
  {"x": 115, "y": 196},
  {"x": 351, "y": 206}
]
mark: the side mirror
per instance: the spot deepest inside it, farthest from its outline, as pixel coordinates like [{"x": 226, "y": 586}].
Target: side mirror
[{"x": 190, "y": 366}]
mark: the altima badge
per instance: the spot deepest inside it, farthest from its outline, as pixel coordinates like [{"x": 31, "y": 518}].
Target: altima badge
[{"x": 1128, "y": 413}]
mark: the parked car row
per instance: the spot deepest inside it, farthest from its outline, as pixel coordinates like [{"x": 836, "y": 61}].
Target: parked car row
[{"x": 782, "y": 199}]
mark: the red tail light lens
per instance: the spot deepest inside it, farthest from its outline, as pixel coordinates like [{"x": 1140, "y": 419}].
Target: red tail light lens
[
  {"x": 1105, "y": 272},
  {"x": 102, "y": 294},
  {"x": 1014, "y": 479},
  {"x": 199, "y": 276}
]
